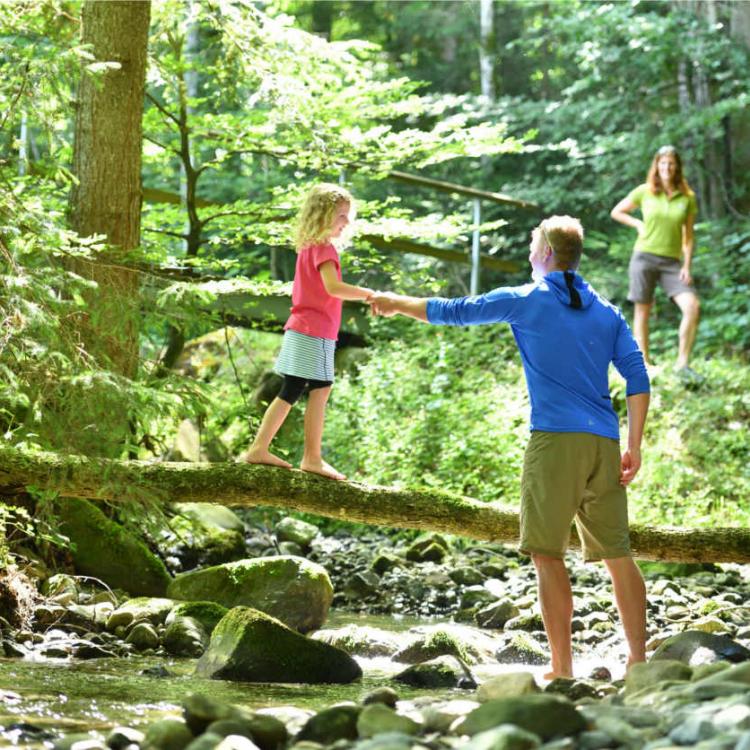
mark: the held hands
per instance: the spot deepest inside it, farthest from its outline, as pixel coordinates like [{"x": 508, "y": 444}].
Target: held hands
[{"x": 384, "y": 303}]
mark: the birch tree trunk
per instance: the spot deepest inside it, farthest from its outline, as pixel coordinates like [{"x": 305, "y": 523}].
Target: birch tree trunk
[{"x": 486, "y": 48}]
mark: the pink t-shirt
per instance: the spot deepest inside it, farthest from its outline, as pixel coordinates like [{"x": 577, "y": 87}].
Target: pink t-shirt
[{"x": 314, "y": 311}]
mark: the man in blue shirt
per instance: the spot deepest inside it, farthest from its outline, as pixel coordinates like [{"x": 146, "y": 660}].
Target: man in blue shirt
[{"x": 567, "y": 336}]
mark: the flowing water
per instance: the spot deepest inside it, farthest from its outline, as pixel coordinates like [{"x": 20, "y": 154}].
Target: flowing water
[{"x": 59, "y": 696}]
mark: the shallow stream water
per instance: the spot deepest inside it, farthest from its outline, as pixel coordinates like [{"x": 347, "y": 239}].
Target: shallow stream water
[{"x": 61, "y": 697}]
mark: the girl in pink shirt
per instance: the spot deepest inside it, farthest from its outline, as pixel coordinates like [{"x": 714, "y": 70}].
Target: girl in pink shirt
[{"x": 306, "y": 357}]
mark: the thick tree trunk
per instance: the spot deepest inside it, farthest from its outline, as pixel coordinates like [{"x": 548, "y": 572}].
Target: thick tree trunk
[
  {"x": 106, "y": 198},
  {"x": 245, "y": 485}
]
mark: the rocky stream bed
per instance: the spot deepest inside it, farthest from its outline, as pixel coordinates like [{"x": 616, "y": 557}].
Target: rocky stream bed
[{"x": 272, "y": 636}]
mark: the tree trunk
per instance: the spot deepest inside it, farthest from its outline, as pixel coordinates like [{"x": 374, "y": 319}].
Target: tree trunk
[
  {"x": 106, "y": 198},
  {"x": 245, "y": 485},
  {"x": 486, "y": 48}
]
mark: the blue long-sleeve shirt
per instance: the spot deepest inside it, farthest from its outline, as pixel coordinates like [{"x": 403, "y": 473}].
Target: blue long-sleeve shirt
[{"x": 566, "y": 352}]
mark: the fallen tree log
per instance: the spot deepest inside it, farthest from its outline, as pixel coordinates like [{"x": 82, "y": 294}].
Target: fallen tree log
[{"x": 242, "y": 485}]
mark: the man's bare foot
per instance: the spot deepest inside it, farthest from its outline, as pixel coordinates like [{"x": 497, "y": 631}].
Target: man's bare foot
[
  {"x": 322, "y": 468},
  {"x": 258, "y": 456}
]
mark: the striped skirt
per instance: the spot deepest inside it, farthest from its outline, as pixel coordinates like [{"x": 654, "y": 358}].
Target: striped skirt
[{"x": 304, "y": 356}]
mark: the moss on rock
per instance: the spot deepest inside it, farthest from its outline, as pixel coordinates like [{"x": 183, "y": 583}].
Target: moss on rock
[
  {"x": 104, "y": 549},
  {"x": 296, "y": 591},
  {"x": 248, "y": 645}
]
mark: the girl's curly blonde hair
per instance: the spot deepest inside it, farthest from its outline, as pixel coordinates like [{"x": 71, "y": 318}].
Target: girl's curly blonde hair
[{"x": 315, "y": 219}]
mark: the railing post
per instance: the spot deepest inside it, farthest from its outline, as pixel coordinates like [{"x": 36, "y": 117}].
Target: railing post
[{"x": 474, "y": 285}]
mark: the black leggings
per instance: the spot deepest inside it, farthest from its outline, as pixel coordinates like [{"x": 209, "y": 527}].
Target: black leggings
[{"x": 293, "y": 387}]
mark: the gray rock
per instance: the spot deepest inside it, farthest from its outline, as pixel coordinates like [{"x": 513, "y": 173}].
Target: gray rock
[
  {"x": 143, "y": 608},
  {"x": 294, "y": 530},
  {"x": 385, "y": 695},
  {"x": 291, "y": 548},
  {"x": 503, "y": 737},
  {"x": 595, "y": 740},
  {"x": 87, "y": 650},
  {"x": 360, "y": 640},
  {"x": 439, "y": 717},
  {"x": 476, "y": 597},
  {"x": 236, "y": 742},
  {"x": 743, "y": 743},
  {"x": 208, "y": 614},
  {"x": 362, "y": 584},
  {"x": 78, "y": 742},
  {"x": 167, "y": 734},
  {"x": 120, "y": 737},
  {"x": 387, "y": 741},
  {"x": 378, "y": 718},
  {"x": 733, "y": 717},
  {"x": 522, "y": 649},
  {"x": 649, "y": 674},
  {"x": 697, "y": 647},
  {"x": 185, "y": 636},
  {"x": 250, "y": 646},
  {"x": 429, "y": 547},
  {"x": 331, "y": 724},
  {"x": 201, "y": 710},
  {"x": 529, "y": 622},
  {"x": 434, "y": 674},
  {"x": 143, "y": 636},
  {"x": 692, "y": 730},
  {"x": 292, "y": 589},
  {"x": 431, "y": 645},
  {"x": 211, "y": 515},
  {"x": 507, "y": 685},
  {"x": 384, "y": 562},
  {"x": 736, "y": 673},
  {"x": 199, "y": 536},
  {"x": 466, "y": 576},
  {"x": 543, "y": 714},
  {"x": 495, "y": 615}
]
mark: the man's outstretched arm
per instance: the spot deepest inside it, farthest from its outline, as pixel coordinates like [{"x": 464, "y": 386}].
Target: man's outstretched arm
[{"x": 388, "y": 304}]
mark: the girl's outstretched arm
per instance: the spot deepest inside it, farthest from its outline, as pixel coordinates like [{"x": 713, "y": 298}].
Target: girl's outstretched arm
[{"x": 341, "y": 289}]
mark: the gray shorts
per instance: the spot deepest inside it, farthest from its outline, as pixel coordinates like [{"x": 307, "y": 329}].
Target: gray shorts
[{"x": 646, "y": 270}]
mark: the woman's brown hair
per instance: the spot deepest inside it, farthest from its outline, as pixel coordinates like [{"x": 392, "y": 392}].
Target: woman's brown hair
[{"x": 654, "y": 181}]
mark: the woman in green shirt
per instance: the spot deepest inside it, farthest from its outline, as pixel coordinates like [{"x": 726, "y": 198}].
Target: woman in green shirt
[{"x": 663, "y": 251}]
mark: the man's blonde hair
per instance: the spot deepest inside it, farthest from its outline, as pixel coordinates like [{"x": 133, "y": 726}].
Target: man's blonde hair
[
  {"x": 315, "y": 220},
  {"x": 564, "y": 234}
]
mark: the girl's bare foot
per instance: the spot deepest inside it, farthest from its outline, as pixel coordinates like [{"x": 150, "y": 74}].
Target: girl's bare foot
[
  {"x": 260, "y": 456},
  {"x": 322, "y": 468}
]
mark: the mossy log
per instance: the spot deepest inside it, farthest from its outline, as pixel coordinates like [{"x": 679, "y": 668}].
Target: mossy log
[{"x": 238, "y": 485}]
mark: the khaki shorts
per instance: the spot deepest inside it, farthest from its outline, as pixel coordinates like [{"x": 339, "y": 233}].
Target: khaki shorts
[
  {"x": 647, "y": 269},
  {"x": 571, "y": 476}
]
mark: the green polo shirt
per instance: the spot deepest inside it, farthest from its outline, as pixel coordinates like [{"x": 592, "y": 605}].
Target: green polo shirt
[{"x": 663, "y": 219}]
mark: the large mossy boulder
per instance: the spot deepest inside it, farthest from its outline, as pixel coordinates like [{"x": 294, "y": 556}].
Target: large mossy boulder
[
  {"x": 103, "y": 549},
  {"x": 249, "y": 646},
  {"x": 292, "y": 589}
]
